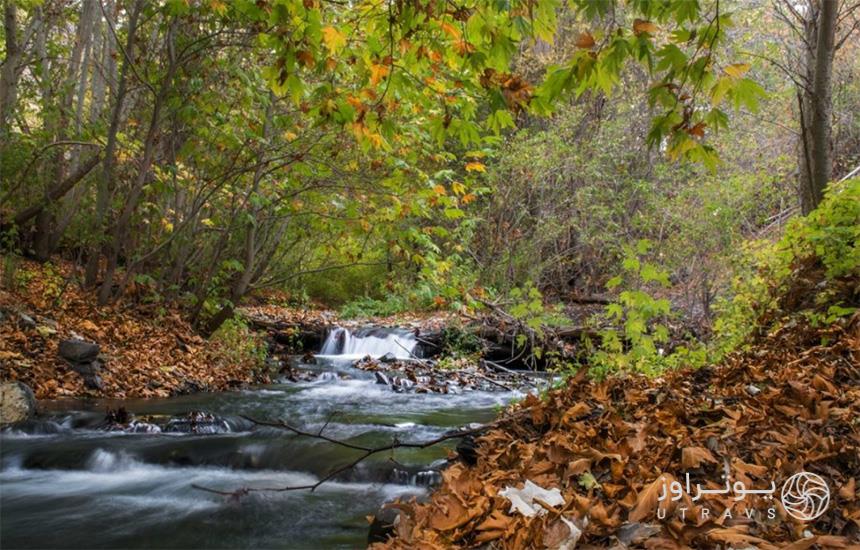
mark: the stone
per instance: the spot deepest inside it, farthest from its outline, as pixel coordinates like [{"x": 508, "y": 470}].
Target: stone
[
  {"x": 383, "y": 525},
  {"x": 78, "y": 351},
  {"x": 197, "y": 422},
  {"x": 90, "y": 368},
  {"x": 753, "y": 390},
  {"x": 381, "y": 378},
  {"x": 94, "y": 382},
  {"x": 17, "y": 403},
  {"x": 388, "y": 358},
  {"x": 467, "y": 450}
]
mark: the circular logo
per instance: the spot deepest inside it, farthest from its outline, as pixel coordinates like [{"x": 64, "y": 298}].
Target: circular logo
[{"x": 805, "y": 496}]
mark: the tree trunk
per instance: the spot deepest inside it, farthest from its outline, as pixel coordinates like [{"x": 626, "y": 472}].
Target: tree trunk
[
  {"x": 106, "y": 184},
  {"x": 122, "y": 226},
  {"x": 822, "y": 105},
  {"x": 250, "y": 271},
  {"x": 8, "y": 72},
  {"x": 815, "y": 161}
]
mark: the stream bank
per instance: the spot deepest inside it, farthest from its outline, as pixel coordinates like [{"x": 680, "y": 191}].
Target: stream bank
[{"x": 129, "y": 475}]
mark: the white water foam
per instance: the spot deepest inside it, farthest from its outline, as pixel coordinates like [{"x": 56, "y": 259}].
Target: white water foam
[{"x": 374, "y": 342}]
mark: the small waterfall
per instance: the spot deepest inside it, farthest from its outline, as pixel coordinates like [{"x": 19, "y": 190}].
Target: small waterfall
[{"x": 372, "y": 341}]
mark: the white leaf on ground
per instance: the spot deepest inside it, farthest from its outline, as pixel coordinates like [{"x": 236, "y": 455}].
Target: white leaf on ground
[{"x": 523, "y": 500}]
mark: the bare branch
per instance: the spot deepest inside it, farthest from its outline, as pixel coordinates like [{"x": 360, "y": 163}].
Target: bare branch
[{"x": 365, "y": 453}]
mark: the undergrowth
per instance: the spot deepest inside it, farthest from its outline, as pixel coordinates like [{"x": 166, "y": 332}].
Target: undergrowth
[{"x": 809, "y": 274}]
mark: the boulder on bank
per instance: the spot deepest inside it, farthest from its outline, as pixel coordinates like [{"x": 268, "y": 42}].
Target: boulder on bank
[
  {"x": 383, "y": 525},
  {"x": 78, "y": 351},
  {"x": 17, "y": 403},
  {"x": 82, "y": 356}
]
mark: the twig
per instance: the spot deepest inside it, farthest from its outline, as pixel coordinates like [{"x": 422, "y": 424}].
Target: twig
[{"x": 366, "y": 452}]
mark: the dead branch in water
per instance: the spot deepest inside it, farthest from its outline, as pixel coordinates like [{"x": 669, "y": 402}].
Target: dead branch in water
[{"x": 366, "y": 452}]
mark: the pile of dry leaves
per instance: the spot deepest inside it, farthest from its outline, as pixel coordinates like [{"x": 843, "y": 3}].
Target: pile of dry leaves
[
  {"x": 791, "y": 404},
  {"x": 149, "y": 350}
]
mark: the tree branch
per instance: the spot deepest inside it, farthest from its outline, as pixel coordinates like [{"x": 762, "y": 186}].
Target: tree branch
[{"x": 365, "y": 453}]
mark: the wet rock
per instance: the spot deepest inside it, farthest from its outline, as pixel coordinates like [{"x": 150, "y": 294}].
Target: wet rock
[
  {"x": 197, "y": 422},
  {"x": 78, "y": 351},
  {"x": 142, "y": 427},
  {"x": 117, "y": 416},
  {"x": 82, "y": 357},
  {"x": 383, "y": 525},
  {"x": 467, "y": 450},
  {"x": 17, "y": 403},
  {"x": 381, "y": 378},
  {"x": 388, "y": 358}
]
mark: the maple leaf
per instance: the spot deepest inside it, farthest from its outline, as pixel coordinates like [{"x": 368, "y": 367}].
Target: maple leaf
[
  {"x": 737, "y": 70},
  {"x": 334, "y": 39}
]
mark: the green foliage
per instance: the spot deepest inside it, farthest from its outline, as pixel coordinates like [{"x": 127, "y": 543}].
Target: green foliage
[
  {"x": 237, "y": 344},
  {"x": 636, "y": 318},
  {"x": 458, "y": 342},
  {"x": 808, "y": 272},
  {"x": 829, "y": 235},
  {"x": 527, "y": 306},
  {"x": 372, "y": 307}
]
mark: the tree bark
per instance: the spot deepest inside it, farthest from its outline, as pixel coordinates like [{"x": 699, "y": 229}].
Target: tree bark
[
  {"x": 57, "y": 191},
  {"x": 122, "y": 225},
  {"x": 106, "y": 183},
  {"x": 822, "y": 102}
]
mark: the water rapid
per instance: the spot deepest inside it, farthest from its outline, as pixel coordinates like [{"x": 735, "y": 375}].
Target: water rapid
[{"x": 68, "y": 480}]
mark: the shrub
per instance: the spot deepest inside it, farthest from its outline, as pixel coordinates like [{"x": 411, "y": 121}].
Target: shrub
[
  {"x": 811, "y": 272},
  {"x": 237, "y": 344},
  {"x": 374, "y": 307},
  {"x": 635, "y": 318}
]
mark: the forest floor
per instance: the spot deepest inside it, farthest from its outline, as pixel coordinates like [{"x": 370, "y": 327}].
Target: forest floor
[
  {"x": 789, "y": 404},
  {"x": 147, "y": 347}
]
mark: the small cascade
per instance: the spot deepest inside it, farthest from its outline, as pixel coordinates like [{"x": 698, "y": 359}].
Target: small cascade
[{"x": 373, "y": 341}]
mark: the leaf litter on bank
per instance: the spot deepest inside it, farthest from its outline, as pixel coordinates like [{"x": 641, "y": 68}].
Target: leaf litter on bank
[
  {"x": 605, "y": 446},
  {"x": 149, "y": 349}
]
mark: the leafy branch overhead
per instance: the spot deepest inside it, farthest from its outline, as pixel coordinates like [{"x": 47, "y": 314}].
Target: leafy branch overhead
[{"x": 388, "y": 70}]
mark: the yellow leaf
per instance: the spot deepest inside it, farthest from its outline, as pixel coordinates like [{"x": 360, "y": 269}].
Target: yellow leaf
[
  {"x": 737, "y": 70},
  {"x": 333, "y": 38},
  {"x": 458, "y": 188},
  {"x": 475, "y": 167}
]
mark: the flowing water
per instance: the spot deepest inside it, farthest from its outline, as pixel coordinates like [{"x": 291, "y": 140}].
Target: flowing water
[{"x": 67, "y": 482}]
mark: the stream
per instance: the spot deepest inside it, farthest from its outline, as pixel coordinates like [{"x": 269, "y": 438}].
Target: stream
[{"x": 68, "y": 481}]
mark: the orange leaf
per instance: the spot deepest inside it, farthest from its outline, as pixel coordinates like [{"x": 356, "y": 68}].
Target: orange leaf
[
  {"x": 585, "y": 40},
  {"x": 692, "y": 457},
  {"x": 641, "y": 25},
  {"x": 698, "y": 130},
  {"x": 648, "y": 502}
]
